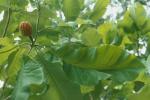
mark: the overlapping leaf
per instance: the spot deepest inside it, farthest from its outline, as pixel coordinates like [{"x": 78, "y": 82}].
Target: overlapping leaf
[
  {"x": 60, "y": 87},
  {"x": 102, "y": 57},
  {"x": 30, "y": 74}
]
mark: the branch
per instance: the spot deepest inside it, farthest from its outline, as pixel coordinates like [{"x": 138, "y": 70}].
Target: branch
[
  {"x": 37, "y": 28},
  {"x": 37, "y": 22},
  {"x": 7, "y": 23}
]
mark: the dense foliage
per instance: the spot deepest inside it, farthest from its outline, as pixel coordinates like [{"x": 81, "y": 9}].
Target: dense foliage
[{"x": 67, "y": 50}]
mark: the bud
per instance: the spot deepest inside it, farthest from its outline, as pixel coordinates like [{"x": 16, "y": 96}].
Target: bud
[{"x": 25, "y": 28}]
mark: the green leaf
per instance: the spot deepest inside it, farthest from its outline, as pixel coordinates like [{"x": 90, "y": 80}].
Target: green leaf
[
  {"x": 15, "y": 62},
  {"x": 81, "y": 3},
  {"x": 31, "y": 74},
  {"x": 148, "y": 64},
  {"x": 84, "y": 21},
  {"x": 127, "y": 22},
  {"x": 146, "y": 27},
  {"x": 14, "y": 3},
  {"x": 107, "y": 31},
  {"x": 99, "y": 9},
  {"x": 48, "y": 35},
  {"x": 86, "y": 89},
  {"x": 60, "y": 87},
  {"x": 6, "y": 48},
  {"x": 107, "y": 58},
  {"x": 104, "y": 57},
  {"x": 84, "y": 76},
  {"x": 18, "y": 4},
  {"x": 144, "y": 94},
  {"x": 71, "y": 9},
  {"x": 138, "y": 14},
  {"x": 126, "y": 74},
  {"x": 91, "y": 37},
  {"x": 4, "y": 2}
]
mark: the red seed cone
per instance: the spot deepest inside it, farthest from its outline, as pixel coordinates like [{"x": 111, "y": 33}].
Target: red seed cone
[{"x": 25, "y": 28}]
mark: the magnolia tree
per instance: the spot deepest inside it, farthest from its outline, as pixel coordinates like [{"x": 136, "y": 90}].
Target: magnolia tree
[{"x": 68, "y": 50}]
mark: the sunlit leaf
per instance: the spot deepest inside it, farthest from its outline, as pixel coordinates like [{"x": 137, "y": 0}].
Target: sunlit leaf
[
  {"x": 14, "y": 62},
  {"x": 6, "y": 48},
  {"x": 107, "y": 31},
  {"x": 126, "y": 22},
  {"x": 113, "y": 59},
  {"x": 91, "y": 37},
  {"x": 99, "y": 9},
  {"x": 71, "y": 9},
  {"x": 138, "y": 14},
  {"x": 103, "y": 57}
]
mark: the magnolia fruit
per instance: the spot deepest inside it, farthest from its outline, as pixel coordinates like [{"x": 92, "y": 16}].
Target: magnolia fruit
[{"x": 25, "y": 28}]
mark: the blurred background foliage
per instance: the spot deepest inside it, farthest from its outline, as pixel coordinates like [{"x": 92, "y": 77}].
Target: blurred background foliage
[{"x": 86, "y": 50}]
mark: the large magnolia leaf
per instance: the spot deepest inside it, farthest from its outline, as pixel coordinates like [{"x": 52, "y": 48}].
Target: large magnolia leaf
[
  {"x": 71, "y": 9},
  {"x": 84, "y": 76},
  {"x": 6, "y": 48},
  {"x": 31, "y": 74},
  {"x": 99, "y": 9},
  {"x": 110, "y": 59},
  {"x": 127, "y": 74},
  {"x": 60, "y": 87},
  {"x": 104, "y": 57}
]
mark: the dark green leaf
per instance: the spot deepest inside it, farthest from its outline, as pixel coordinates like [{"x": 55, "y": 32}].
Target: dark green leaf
[
  {"x": 84, "y": 76},
  {"x": 60, "y": 87},
  {"x": 30, "y": 74}
]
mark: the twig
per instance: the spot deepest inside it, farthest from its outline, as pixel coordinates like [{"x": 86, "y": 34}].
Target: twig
[
  {"x": 7, "y": 23},
  {"x": 37, "y": 22},
  {"x": 32, "y": 44},
  {"x": 37, "y": 28}
]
